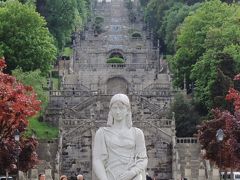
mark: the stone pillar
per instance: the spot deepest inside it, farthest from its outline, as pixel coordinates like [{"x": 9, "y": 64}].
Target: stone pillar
[
  {"x": 174, "y": 150},
  {"x": 201, "y": 172},
  {"x": 34, "y": 174},
  {"x": 188, "y": 171},
  {"x": 215, "y": 174},
  {"x": 48, "y": 174},
  {"x": 179, "y": 175},
  {"x": 21, "y": 175},
  {"x": 56, "y": 175}
]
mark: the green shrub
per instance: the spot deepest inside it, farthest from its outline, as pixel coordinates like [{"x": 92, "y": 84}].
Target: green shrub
[
  {"x": 55, "y": 74},
  {"x": 99, "y": 20},
  {"x": 136, "y": 35},
  {"x": 97, "y": 25},
  {"x": 115, "y": 60},
  {"x": 67, "y": 51},
  {"x": 130, "y": 31}
]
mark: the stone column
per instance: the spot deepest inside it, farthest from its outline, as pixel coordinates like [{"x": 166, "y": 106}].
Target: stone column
[
  {"x": 34, "y": 174},
  {"x": 201, "y": 172},
  {"x": 21, "y": 175},
  {"x": 174, "y": 150},
  {"x": 179, "y": 175},
  {"x": 215, "y": 174},
  {"x": 188, "y": 171},
  {"x": 48, "y": 174}
]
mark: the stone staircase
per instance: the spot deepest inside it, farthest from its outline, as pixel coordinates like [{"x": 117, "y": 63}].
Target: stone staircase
[
  {"x": 189, "y": 156},
  {"x": 87, "y": 102},
  {"x": 83, "y": 101}
]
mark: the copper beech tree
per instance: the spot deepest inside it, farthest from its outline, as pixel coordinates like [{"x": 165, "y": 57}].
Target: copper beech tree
[
  {"x": 17, "y": 103},
  {"x": 225, "y": 154}
]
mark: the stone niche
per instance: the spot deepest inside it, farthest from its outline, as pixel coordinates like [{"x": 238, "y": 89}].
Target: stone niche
[{"x": 117, "y": 85}]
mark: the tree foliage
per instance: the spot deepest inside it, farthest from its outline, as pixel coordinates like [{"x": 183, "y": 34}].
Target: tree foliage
[
  {"x": 159, "y": 13},
  {"x": 171, "y": 21},
  {"x": 35, "y": 80},
  {"x": 64, "y": 17},
  {"x": 185, "y": 116},
  {"x": 17, "y": 103},
  {"x": 24, "y": 39},
  {"x": 207, "y": 43},
  {"x": 225, "y": 154}
]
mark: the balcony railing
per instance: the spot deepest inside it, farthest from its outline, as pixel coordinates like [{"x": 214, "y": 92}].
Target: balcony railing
[{"x": 127, "y": 67}]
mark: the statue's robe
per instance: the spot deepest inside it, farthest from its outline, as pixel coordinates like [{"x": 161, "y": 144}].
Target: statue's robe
[{"x": 121, "y": 152}]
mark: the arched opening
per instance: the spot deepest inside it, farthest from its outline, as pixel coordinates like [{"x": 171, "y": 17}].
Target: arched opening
[
  {"x": 117, "y": 85},
  {"x": 136, "y": 35},
  {"x": 116, "y": 56}
]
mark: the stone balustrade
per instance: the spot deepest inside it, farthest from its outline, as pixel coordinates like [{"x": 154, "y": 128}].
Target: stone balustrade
[
  {"x": 75, "y": 87},
  {"x": 126, "y": 67},
  {"x": 87, "y": 93},
  {"x": 158, "y": 86},
  {"x": 187, "y": 140},
  {"x": 162, "y": 123},
  {"x": 76, "y": 93}
]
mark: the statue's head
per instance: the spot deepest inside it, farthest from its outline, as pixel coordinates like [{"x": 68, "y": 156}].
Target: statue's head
[{"x": 122, "y": 98}]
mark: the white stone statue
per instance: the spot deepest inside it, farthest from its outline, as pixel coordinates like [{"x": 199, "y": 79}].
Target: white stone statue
[{"x": 119, "y": 151}]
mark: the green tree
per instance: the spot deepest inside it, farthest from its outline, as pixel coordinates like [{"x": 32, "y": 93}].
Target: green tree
[
  {"x": 17, "y": 103},
  {"x": 24, "y": 39},
  {"x": 83, "y": 11},
  {"x": 224, "y": 155},
  {"x": 154, "y": 12},
  {"x": 186, "y": 116},
  {"x": 35, "y": 80},
  {"x": 60, "y": 15},
  {"x": 64, "y": 17},
  {"x": 208, "y": 42},
  {"x": 171, "y": 21},
  {"x": 158, "y": 13}
]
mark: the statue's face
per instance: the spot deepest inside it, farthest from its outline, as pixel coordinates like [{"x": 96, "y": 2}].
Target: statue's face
[{"x": 119, "y": 111}]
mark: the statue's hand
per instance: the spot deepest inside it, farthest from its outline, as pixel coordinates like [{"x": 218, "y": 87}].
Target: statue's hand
[{"x": 128, "y": 175}]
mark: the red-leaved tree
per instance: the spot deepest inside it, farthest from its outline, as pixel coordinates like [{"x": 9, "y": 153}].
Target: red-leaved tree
[
  {"x": 17, "y": 103},
  {"x": 225, "y": 154}
]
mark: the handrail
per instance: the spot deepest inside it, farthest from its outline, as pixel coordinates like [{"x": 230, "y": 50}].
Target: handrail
[{"x": 83, "y": 104}]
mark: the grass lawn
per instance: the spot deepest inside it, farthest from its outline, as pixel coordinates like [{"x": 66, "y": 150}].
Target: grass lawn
[
  {"x": 55, "y": 83},
  {"x": 41, "y": 130},
  {"x": 67, "y": 52}
]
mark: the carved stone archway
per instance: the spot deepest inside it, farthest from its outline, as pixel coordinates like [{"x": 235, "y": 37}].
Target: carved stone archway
[
  {"x": 117, "y": 85},
  {"x": 116, "y": 53}
]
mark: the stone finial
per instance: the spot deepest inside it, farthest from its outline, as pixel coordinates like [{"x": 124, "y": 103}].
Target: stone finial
[
  {"x": 48, "y": 153},
  {"x": 215, "y": 173},
  {"x": 21, "y": 175},
  {"x": 34, "y": 174},
  {"x": 201, "y": 166},
  {"x": 188, "y": 155},
  {"x": 188, "y": 171},
  {"x": 173, "y": 116},
  {"x": 48, "y": 174},
  {"x": 187, "y": 165}
]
